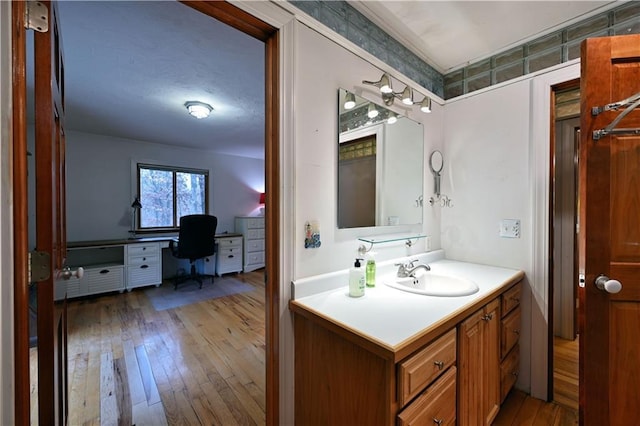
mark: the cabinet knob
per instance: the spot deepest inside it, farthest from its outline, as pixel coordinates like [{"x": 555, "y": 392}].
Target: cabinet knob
[
  {"x": 487, "y": 317},
  {"x": 438, "y": 421},
  {"x": 516, "y": 332},
  {"x": 439, "y": 364}
]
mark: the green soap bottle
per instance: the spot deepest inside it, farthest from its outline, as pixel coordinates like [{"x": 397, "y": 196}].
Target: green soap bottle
[{"x": 370, "y": 270}]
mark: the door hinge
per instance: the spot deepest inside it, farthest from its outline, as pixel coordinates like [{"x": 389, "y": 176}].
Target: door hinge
[
  {"x": 36, "y": 16},
  {"x": 39, "y": 266}
]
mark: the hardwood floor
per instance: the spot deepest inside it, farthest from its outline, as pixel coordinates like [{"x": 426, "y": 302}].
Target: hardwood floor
[
  {"x": 202, "y": 363},
  {"x": 521, "y": 409},
  {"x": 565, "y": 372}
]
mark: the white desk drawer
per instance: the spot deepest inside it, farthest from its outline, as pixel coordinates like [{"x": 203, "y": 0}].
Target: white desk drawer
[
  {"x": 101, "y": 280},
  {"x": 227, "y": 242},
  {"x": 150, "y": 259},
  {"x": 254, "y": 245},
  {"x": 142, "y": 249},
  {"x": 143, "y": 275}
]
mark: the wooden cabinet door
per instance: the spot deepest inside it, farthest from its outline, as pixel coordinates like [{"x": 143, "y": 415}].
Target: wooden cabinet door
[
  {"x": 479, "y": 367},
  {"x": 610, "y": 233}
]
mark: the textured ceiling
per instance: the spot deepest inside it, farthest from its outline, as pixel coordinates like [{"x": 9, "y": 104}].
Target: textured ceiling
[{"x": 131, "y": 66}]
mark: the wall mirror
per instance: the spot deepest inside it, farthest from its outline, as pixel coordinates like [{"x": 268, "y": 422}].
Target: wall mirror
[{"x": 380, "y": 165}]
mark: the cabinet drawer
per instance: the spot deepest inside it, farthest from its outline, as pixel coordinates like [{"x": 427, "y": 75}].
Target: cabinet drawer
[
  {"x": 254, "y": 245},
  {"x": 255, "y": 258},
  {"x": 255, "y": 222},
  {"x": 228, "y": 242},
  {"x": 255, "y": 234},
  {"x": 510, "y": 332},
  {"x": 105, "y": 279},
  {"x": 415, "y": 373},
  {"x": 143, "y": 260},
  {"x": 142, "y": 249},
  {"x": 509, "y": 372},
  {"x": 143, "y": 275},
  {"x": 437, "y": 405},
  {"x": 510, "y": 299}
]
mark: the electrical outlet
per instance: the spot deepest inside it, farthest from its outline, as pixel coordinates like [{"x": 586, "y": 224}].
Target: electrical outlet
[
  {"x": 427, "y": 243},
  {"x": 510, "y": 228}
]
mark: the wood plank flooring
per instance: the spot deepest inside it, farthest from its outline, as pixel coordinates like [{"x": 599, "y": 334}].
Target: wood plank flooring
[
  {"x": 199, "y": 364},
  {"x": 565, "y": 372},
  {"x": 521, "y": 409}
]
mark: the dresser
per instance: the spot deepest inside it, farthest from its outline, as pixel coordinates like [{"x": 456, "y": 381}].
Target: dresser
[
  {"x": 229, "y": 256},
  {"x": 252, "y": 228}
]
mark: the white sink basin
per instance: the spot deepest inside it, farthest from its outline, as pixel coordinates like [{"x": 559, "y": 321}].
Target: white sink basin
[{"x": 431, "y": 284}]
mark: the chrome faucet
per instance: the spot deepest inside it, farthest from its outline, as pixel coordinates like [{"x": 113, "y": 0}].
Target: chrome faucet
[{"x": 408, "y": 269}]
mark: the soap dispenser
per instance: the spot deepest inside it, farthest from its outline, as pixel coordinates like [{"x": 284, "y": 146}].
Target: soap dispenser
[
  {"x": 370, "y": 270},
  {"x": 356, "y": 280}
]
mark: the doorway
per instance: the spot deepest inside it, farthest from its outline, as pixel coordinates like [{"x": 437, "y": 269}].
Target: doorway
[
  {"x": 564, "y": 262},
  {"x": 246, "y": 23}
]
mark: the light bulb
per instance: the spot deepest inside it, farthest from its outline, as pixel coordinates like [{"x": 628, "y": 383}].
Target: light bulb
[
  {"x": 372, "y": 112},
  {"x": 385, "y": 84},
  {"x": 349, "y": 101},
  {"x": 407, "y": 96},
  {"x": 425, "y": 105}
]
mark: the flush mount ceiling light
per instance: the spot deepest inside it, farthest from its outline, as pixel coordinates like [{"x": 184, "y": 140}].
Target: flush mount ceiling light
[
  {"x": 198, "y": 109},
  {"x": 349, "y": 101},
  {"x": 406, "y": 96}
]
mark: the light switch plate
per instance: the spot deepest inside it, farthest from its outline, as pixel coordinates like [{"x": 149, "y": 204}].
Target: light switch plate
[{"x": 510, "y": 228}]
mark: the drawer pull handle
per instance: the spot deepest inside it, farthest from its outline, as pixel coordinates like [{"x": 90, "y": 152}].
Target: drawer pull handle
[
  {"x": 516, "y": 332},
  {"x": 514, "y": 373},
  {"x": 438, "y": 421},
  {"x": 230, "y": 256},
  {"x": 516, "y": 299},
  {"x": 104, "y": 271},
  {"x": 487, "y": 317},
  {"x": 439, "y": 364},
  {"x": 144, "y": 266}
]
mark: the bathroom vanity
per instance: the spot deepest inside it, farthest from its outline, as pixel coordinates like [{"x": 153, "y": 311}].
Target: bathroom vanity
[{"x": 394, "y": 357}]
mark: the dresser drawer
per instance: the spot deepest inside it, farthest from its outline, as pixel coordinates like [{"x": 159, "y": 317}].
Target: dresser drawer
[
  {"x": 510, "y": 332},
  {"x": 416, "y": 372},
  {"x": 254, "y": 245},
  {"x": 510, "y": 299},
  {"x": 142, "y": 249},
  {"x": 255, "y": 222},
  {"x": 255, "y": 234},
  {"x": 437, "y": 405},
  {"x": 227, "y": 242},
  {"x": 255, "y": 258},
  {"x": 509, "y": 372}
]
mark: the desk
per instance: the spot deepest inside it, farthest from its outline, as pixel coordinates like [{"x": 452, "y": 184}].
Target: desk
[{"x": 124, "y": 264}]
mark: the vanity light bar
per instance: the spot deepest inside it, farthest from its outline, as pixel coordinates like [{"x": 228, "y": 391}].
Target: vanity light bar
[{"x": 406, "y": 96}]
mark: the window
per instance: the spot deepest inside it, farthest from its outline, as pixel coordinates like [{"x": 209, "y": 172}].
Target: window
[{"x": 168, "y": 193}]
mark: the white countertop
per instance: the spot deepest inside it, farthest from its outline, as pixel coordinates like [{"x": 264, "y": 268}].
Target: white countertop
[{"x": 390, "y": 316}]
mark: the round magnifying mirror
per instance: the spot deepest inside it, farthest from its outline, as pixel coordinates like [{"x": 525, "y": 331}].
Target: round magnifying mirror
[{"x": 436, "y": 162}]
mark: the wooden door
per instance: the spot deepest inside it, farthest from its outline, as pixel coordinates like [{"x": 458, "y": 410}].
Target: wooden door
[
  {"x": 49, "y": 210},
  {"x": 610, "y": 232}
]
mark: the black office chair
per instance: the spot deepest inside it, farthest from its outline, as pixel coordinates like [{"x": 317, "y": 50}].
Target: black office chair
[{"x": 196, "y": 240}]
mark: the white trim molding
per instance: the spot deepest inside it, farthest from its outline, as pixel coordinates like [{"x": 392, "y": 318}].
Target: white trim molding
[{"x": 539, "y": 180}]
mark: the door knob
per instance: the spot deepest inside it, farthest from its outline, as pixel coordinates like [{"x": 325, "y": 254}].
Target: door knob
[
  {"x": 67, "y": 273},
  {"x": 610, "y": 286}
]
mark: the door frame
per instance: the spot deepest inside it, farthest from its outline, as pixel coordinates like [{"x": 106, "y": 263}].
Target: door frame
[
  {"x": 541, "y": 129},
  {"x": 239, "y": 19}
]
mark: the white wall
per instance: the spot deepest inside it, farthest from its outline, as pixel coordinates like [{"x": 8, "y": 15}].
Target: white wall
[
  {"x": 321, "y": 68},
  {"x": 6, "y": 222},
  {"x": 101, "y": 180},
  {"x": 496, "y": 145}
]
